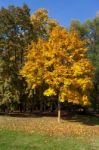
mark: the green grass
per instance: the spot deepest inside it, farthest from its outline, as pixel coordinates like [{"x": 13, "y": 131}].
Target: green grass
[
  {"x": 44, "y": 133},
  {"x": 15, "y": 140}
]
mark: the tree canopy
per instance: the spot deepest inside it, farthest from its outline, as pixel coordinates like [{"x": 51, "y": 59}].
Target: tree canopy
[{"x": 40, "y": 60}]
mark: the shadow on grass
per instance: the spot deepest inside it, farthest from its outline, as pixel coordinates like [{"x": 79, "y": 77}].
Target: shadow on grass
[
  {"x": 37, "y": 114},
  {"x": 91, "y": 120}
]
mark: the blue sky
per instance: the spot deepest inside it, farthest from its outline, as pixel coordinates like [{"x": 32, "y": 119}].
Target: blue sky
[{"x": 62, "y": 10}]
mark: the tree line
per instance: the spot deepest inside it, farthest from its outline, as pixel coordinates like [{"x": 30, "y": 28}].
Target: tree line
[{"x": 44, "y": 66}]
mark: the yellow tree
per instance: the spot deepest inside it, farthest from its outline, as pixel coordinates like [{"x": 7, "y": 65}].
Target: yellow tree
[
  {"x": 61, "y": 64},
  {"x": 42, "y": 24}
]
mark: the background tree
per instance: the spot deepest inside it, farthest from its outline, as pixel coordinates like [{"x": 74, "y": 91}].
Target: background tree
[
  {"x": 90, "y": 31},
  {"x": 42, "y": 24},
  {"x": 16, "y": 32}
]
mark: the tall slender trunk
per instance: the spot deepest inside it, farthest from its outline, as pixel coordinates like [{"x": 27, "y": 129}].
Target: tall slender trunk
[
  {"x": 22, "y": 57},
  {"x": 15, "y": 57},
  {"x": 59, "y": 111},
  {"x": 41, "y": 99}
]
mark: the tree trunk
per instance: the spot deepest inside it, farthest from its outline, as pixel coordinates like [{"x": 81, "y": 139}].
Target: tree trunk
[
  {"x": 59, "y": 112},
  {"x": 41, "y": 99}
]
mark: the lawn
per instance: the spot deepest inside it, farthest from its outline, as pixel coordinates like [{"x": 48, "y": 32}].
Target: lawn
[{"x": 44, "y": 133}]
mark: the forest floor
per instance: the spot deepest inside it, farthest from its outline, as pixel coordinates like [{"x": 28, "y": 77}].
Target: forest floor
[{"x": 77, "y": 132}]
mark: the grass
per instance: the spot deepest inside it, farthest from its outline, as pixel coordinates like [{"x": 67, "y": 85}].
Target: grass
[
  {"x": 44, "y": 133},
  {"x": 12, "y": 140}
]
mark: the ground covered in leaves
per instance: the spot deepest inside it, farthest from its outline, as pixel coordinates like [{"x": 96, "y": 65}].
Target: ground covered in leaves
[
  {"x": 75, "y": 131},
  {"x": 75, "y": 125}
]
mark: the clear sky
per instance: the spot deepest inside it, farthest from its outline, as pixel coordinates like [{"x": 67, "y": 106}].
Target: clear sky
[{"x": 62, "y": 10}]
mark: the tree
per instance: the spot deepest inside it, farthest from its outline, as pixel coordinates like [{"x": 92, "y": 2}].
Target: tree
[
  {"x": 16, "y": 32},
  {"x": 93, "y": 55},
  {"x": 90, "y": 31},
  {"x": 60, "y": 63},
  {"x": 42, "y": 24}
]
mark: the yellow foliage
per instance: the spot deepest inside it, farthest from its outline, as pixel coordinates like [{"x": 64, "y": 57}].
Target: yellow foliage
[
  {"x": 85, "y": 100},
  {"x": 60, "y": 63},
  {"x": 49, "y": 92}
]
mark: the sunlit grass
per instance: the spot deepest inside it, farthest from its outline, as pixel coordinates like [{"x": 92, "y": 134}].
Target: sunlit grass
[
  {"x": 80, "y": 126},
  {"x": 12, "y": 140},
  {"x": 44, "y": 133}
]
